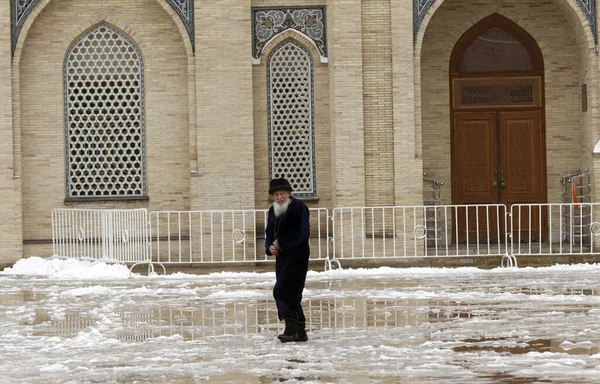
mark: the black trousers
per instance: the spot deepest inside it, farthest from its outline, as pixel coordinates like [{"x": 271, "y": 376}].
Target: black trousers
[{"x": 290, "y": 272}]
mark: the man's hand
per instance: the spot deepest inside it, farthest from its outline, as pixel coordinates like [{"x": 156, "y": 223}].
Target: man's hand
[{"x": 273, "y": 249}]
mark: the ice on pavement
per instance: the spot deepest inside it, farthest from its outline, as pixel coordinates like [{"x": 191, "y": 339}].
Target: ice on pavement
[{"x": 64, "y": 321}]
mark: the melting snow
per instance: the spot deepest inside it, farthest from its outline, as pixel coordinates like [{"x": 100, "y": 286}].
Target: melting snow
[{"x": 80, "y": 321}]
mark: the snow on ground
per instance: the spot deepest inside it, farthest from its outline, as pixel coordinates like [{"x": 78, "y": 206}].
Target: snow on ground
[{"x": 73, "y": 322}]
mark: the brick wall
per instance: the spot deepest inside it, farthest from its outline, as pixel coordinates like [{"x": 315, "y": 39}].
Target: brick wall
[
  {"x": 566, "y": 127},
  {"x": 381, "y": 103},
  {"x": 224, "y": 106},
  {"x": 377, "y": 102},
  {"x": 346, "y": 102},
  {"x": 11, "y": 242},
  {"x": 408, "y": 162},
  {"x": 40, "y": 86}
]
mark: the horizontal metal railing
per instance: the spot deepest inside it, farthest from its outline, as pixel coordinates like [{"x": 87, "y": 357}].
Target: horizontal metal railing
[
  {"x": 555, "y": 229},
  {"x": 200, "y": 237},
  {"x": 108, "y": 235},
  {"x": 223, "y": 236},
  {"x": 419, "y": 231}
]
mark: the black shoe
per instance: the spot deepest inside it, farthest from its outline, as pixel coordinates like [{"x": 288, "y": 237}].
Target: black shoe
[
  {"x": 302, "y": 336},
  {"x": 291, "y": 331}
]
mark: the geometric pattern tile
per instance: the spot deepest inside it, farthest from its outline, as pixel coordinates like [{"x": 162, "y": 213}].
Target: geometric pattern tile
[
  {"x": 589, "y": 9},
  {"x": 269, "y": 22},
  {"x": 185, "y": 10},
  {"x": 420, "y": 8},
  {"x": 21, "y": 9}
]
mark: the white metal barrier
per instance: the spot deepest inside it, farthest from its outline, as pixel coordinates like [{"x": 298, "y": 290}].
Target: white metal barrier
[
  {"x": 199, "y": 237},
  {"x": 555, "y": 229},
  {"x": 191, "y": 237},
  {"x": 419, "y": 231},
  {"x": 108, "y": 235}
]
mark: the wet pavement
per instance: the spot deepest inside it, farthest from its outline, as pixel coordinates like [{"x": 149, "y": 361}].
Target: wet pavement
[{"x": 380, "y": 326}]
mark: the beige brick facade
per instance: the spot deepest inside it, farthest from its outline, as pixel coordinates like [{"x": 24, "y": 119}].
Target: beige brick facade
[
  {"x": 11, "y": 219},
  {"x": 568, "y": 59},
  {"x": 381, "y": 103},
  {"x": 377, "y": 99}
]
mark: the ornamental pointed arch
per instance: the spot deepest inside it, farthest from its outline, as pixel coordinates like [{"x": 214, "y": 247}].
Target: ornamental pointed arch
[
  {"x": 499, "y": 41},
  {"x": 21, "y": 9},
  {"x": 291, "y": 117},
  {"x": 104, "y": 116}
]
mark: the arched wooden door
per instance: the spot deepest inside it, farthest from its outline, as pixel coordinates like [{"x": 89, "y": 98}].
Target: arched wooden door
[{"x": 497, "y": 109}]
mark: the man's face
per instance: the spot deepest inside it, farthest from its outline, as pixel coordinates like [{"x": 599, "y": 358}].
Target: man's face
[{"x": 281, "y": 197}]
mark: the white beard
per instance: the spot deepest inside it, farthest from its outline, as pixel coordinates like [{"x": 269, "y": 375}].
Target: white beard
[{"x": 280, "y": 209}]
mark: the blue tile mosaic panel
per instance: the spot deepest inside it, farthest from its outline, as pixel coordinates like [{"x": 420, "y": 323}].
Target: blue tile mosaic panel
[
  {"x": 589, "y": 9},
  {"x": 420, "y": 8},
  {"x": 185, "y": 11},
  {"x": 20, "y": 10},
  {"x": 269, "y": 22}
]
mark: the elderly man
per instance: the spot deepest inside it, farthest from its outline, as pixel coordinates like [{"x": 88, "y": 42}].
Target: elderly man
[{"x": 288, "y": 229}]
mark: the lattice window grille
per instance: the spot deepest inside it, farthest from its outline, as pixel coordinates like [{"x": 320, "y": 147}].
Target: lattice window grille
[
  {"x": 104, "y": 116},
  {"x": 291, "y": 118}
]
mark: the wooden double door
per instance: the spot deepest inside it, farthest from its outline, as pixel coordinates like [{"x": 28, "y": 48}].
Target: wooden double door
[{"x": 498, "y": 158}]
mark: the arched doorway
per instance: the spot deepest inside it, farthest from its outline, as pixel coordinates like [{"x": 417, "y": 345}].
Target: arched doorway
[{"x": 497, "y": 112}]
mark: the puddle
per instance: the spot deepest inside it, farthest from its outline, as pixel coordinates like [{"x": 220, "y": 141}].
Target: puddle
[
  {"x": 503, "y": 345},
  {"x": 379, "y": 330}
]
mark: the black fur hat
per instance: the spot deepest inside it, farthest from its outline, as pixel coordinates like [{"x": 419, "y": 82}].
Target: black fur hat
[{"x": 280, "y": 184}]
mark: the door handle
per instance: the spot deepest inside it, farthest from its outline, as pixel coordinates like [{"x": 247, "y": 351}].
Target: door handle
[
  {"x": 502, "y": 183},
  {"x": 494, "y": 182}
]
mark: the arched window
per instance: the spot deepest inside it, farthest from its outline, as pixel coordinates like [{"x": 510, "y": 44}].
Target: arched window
[
  {"x": 291, "y": 117},
  {"x": 104, "y": 116},
  {"x": 496, "y": 51}
]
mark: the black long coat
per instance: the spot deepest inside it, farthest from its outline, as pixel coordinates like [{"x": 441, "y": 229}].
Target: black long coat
[{"x": 291, "y": 230}]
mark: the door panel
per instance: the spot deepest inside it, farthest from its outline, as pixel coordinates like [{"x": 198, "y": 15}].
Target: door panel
[
  {"x": 521, "y": 165},
  {"x": 475, "y": 158}
]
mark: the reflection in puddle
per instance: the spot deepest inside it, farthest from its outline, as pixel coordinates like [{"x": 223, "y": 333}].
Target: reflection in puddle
[
  {"x": 511, "y": 379},
  {"x": 207, "y": 318},
  {"x": 514, "y": 347},
  {"x": 204, "y": 319},
  {"x": 22, "y": 296},
  {"x": 504, "y": 345}
]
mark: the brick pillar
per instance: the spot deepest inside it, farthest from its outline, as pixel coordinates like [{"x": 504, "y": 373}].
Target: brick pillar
[
  {"x": 346, "y": 102},
  {"x": 408, "y": 162},
  {"x": 378, "y": 106},
  {"x": 11, "y": 217},
  {"x": 224, "y": 106}
]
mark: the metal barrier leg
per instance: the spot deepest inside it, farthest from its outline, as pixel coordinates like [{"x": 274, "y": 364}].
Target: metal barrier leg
[
  {"x": 327, "y": 265},
  {"x": 509, "y": 260},
  {"x": 330, "y": 263},
  {"x": 150, "y": 267}
]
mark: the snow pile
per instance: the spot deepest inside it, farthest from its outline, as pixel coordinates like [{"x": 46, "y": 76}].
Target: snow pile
[
  {"x": 67, "y": 269},
  {"x": 97, "y": 270}
]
